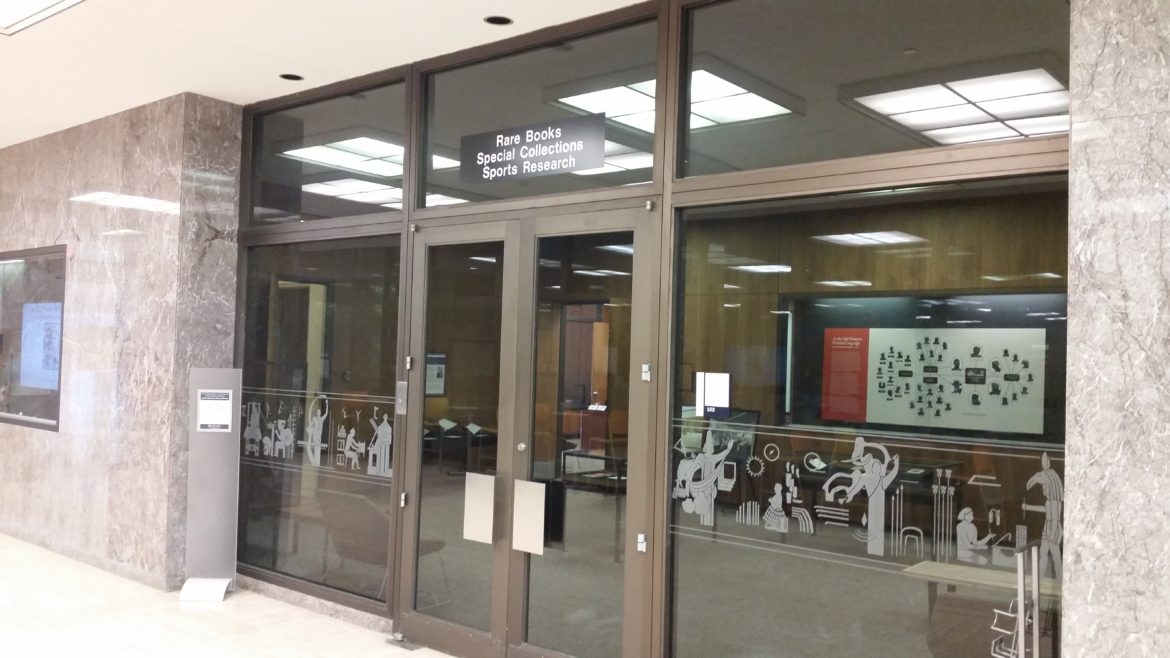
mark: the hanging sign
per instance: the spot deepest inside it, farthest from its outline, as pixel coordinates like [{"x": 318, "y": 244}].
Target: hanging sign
[{"x": 541, "y": 149}]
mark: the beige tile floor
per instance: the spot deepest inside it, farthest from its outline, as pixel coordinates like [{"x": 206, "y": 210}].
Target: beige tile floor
[{"x": 53, "y": 606}]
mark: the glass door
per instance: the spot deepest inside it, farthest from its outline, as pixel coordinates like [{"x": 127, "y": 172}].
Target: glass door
[{"x": 530, "y": 389}]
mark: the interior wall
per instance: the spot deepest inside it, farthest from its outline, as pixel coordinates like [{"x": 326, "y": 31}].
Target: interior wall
[
  {"x": 147, "y": 296},
  {"x": 1117, "y": 568}
]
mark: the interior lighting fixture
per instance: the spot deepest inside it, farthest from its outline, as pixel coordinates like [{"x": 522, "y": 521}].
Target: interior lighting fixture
[
  {"x": 846, "y": 284},
  {"x": 116, "y": 200},
  {"x": 870, "y": 239},
  {"x": 484, "y": 259},
  {"x": 592, "y": 272},
  {"x": 764, "y": 269},
  {"x": 292, "y": 77},
  {"x": 16, "y": 15},
  {"x": 363, "y": 154},
  {"x": 714, "y": 102},
  {"x": 442, "y": 200},
  {"x": 731, "y": 306},
  {"x": 497, "y": 20},
  {"x": 1011, "y": 105},
  {"x": 619, "y": 157},
  {"x": 731, "y": 286},
  {"x": 626, "y": 249}
]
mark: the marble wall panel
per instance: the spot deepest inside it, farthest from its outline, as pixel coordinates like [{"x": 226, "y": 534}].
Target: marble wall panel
[
  {"x": 107, "y": 487},
  {"x": 1117, "y": 524}
]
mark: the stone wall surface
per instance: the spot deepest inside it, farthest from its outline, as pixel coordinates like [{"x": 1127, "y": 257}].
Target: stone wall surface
[
  {"x": 148, "y": 295},
  {"x": 1117, "y": 525}
]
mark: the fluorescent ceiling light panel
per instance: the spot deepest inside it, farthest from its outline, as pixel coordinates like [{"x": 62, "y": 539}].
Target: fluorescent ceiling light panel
[
  {"x": 1053, "y": 102},
  {"x": 326, "y": 155},
  {"x": 743, "y": 107},
  {"x": 378, "y": 168},
  {"x": 942, "y": 117},
  {"x": 443, "y": 200},
  {"x": 115, "y": 200},
  {"x": 846, "y": 284},
  {"x": 16, "y": 15},
  {"x": 603, "y": 169},
  {"x": 395, "y": 206},
  {"x": 369, "y": 147},
  {"x": 979, "y": 132},
  {"x": 637, "y": 160},
  {"x": 612, "y": 102},
  {"x": 764, "y": 269},
  {"x": 344, "y": 186},
  {"x": 707, "y": 86},
  {"x": 643, "y": 121},
  {"x": 377, "y": 197},
  {"x": 910, "y": 100},
  {"x": 627, "y": 249},
  {"x": 484, "y": 259},
  {"x": 1041, "y": 125},
  {"x": 439, "y": 162},
  {"x": 869, "y": 239},
  {"x": 699, "y": 122},
  {"x": 1047, "y": 275},
  {"x": 647, "y": 87},
  {"x": 1006, "y": 85},
  {"x": 613, "y": 148}
]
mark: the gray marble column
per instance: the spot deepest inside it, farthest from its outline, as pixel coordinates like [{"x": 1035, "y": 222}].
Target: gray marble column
[
  {"x": 1117, "y": 516},
  {"x": 148, "y": 294}
]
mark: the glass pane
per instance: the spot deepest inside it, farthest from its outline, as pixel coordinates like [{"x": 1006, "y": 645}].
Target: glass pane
[
  {"x": 336, "y": 158},
  {"x": 581, "y": 424},
  {"x": 778, "y": 82},
  {"x": 321, "y": 323},
  {"x": 460, "y": 424},
  {"x": 612, "y": 73},
  {"x": 32, "y": 296},
  {"x": 870, "y": 420}
]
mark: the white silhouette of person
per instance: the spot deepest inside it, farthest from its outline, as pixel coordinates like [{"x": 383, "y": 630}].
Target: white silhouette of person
[
  {"x": 353, "y": 448},
  {"x": 774, "y": 517},
  {"x": 699, "y": 476},
  {"x": 380, "y": 447},
  {"x": 252, "y": 434},
  {"x": 874, "y": 477},
  {"x": 1053, "y": 532},
  {"x": 314, "y": 429},
  {"x": 971, "y": 548}
]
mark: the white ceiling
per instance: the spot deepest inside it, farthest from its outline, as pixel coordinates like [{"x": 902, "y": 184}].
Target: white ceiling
[{"x": 105, "y": 56}]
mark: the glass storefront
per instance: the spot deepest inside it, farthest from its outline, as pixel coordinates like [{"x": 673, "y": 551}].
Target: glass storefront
[
  {"x": 611, "y": 74},
  {"x": 860, "y": 426},
  {"x": 779, "y": 82},
  {"x": 321, "y": 331},
  {"x": 336, "y": 158},
  {"x": 869, "y": 421}
]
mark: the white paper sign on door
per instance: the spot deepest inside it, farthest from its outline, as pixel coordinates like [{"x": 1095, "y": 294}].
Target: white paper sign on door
[
  {"x": 528, "y": 517},
  {"x": 479, "y": 502}
]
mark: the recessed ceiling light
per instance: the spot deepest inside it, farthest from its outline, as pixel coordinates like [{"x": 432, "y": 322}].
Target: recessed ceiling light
[
  {"x": 627, "y": 249},
  {"x": 910, "y": 100},
  {"x": 291, "y": 76},
  {"x": 1053, "y": 102},
  {"x": 942, "y": 117},
  {"x": 497, "y": 20},
  {"x": 1041, "y": 125},
  {"x": 980, "y": 132},
  {"x": 1006, "y": 85},
  {"x": 16, "y": 15}
]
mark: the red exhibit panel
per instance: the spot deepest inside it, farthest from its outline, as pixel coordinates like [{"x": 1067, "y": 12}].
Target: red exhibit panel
[{"x": 845, "y": 373}]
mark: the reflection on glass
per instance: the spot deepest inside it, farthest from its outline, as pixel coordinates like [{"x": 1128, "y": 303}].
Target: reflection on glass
[
  {"x": 335, "y": 158},
  {"x": 581, "y": 434},
  {"x": 893, "y": 427},
  {"x": 32, "y": 296},
  {"x": 460, "y": 424},
  {"x": 318, "y": 411},
  {"x": 767, "y": 90},
  {"x": 612, "y": 73}
]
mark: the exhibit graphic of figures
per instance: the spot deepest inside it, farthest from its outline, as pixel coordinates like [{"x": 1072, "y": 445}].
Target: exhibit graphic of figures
[
  {"x": 970, "y": 547},
  {"x": 700, "y": 476},
  {"x": 253, "y": 437},
  {"x": 380, "y": 446},
  {"x": 1053, "y": 533},
  {"x": 313, "y": 429},
  {"x": 957, "y": 378},
  {"x": 873, "y": 475}
]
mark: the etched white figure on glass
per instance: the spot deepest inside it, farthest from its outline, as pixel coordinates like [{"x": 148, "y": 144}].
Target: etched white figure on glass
[
  {"x": 873, "y": 476},
  {"x": 970, "y": 547},
  {"x": 314, "y": 428},
  {"x": 774, "y": 518},
  {"x": 380, "y": 446},
  {"x": 253, "y": 437},
  {"x": 1053, "y": 532},
  {"x": 697, "y": 480}
]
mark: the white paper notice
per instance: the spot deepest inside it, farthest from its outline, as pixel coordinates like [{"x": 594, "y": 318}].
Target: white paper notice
[
  {"x": 479, "y": 504},
  {"x": 214, "y": 412},
  {"x": 528, "y": 517}
]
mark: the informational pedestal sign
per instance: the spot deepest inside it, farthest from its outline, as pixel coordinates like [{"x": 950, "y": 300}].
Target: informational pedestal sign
[
  {"x": 213, "y": 483},
  {"x": 541, "y": 149}
]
